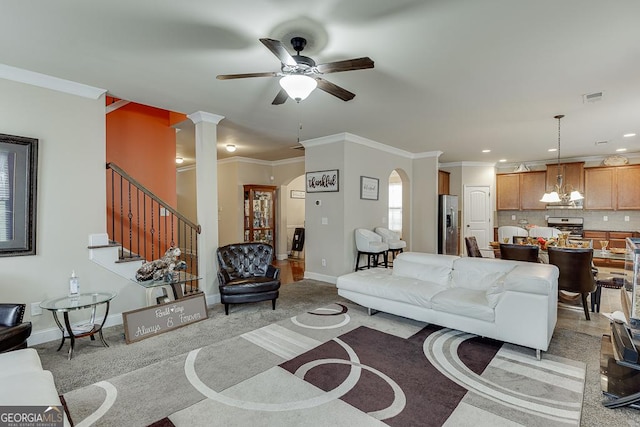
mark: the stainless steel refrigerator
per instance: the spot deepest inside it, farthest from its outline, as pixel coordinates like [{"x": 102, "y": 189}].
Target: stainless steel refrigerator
[{"x": 448, "y": 224}]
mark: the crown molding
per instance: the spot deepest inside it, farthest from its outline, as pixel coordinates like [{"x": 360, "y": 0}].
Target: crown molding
[
  {"x": 349, "y": 137},
  {"x": 467, "y": 164},
  {"x": 238, "y": 159},
  {"x": 633, "y": 155},
  {"x": 20, "y": 75}
]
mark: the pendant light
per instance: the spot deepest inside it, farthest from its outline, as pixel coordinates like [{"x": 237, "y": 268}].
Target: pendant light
[{"x": 562, "y": 192}]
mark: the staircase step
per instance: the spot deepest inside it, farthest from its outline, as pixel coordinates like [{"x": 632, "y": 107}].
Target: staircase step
[{"x": 130, "y": 259}]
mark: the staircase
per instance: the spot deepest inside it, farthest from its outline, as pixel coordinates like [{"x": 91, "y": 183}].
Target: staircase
[{"x": 141, "y": 227}]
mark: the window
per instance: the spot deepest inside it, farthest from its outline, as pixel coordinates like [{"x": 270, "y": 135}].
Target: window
[{"x": 395, "y": 202}]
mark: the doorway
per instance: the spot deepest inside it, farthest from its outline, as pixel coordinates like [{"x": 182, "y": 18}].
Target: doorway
[{"x": 477, "y": 214}]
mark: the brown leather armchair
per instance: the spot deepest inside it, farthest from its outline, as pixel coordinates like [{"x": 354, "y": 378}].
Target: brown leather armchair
[
  {"x": 576, "y": 272},
  {"x": 528, "y": 253},
  {"x": 13, "y": 331},
  {"x": 246, "y": 274}
]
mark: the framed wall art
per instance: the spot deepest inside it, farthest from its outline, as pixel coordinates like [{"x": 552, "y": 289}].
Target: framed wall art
[
  {"x": 322, "y": 181},
  {"x": 369, "y": 188},
  {"x": 18, "y": 178}
]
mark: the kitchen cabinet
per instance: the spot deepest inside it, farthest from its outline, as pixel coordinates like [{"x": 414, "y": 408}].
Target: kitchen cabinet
[
  {"x": 572, "y": 174},
  {"x": 260, "y": 214},
  {"x": 443, "y": 182},
  {"x": 520, "y": 191},
  {"x": 612, "y": 188}
]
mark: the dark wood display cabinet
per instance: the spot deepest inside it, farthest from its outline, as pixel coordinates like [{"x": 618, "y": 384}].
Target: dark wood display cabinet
[{"x": 260, "y": 214}]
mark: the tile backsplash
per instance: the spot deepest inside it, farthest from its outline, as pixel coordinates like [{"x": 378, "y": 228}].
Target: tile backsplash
[{"x": 593, "y": 220}]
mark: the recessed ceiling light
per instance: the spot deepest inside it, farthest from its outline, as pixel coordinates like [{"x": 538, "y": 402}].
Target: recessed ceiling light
[
  {"x": 502, "y": 160},
  {"x": 486, "y": 151},
  {"x": 231, "y": 148},
  {"x": 179, "y": 160},
  {"x": 551, "y": 150},
  {"x": 621, "y": 149},
  {"x": 629, "y": 135}
]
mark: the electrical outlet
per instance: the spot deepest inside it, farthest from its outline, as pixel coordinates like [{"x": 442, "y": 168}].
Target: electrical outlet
[
  {"x": 36, "y": 310},
  {"x": 626, "y": 218},
  {"x": 513, "y": 217},
  {"x": 324, "y": 262},
  {"x": 605, "y": 218},
  {"x": 325, "y": 220}
]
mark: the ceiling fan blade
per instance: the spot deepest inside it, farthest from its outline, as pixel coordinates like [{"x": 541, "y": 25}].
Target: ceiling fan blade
[
  {"x": 334, "y": 90},
  {"x": 280, "y": 98},
  {"x": 278, "y": 49},
  {"x": 346, "y": 65},
  {"x": 244, "y": 76}
]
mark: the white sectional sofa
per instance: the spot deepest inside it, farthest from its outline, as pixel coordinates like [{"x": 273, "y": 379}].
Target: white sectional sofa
[
  {"x": 23, "y": 382},
  {"x": 511, "y": 301}
]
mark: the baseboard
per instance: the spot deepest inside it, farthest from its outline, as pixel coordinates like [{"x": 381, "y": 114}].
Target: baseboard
[
  {"x": 53, "y": 334},
  {"x": 320, "y": 277}
]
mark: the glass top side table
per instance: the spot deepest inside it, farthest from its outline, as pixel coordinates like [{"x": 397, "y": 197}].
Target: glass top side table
[{"x": 67, "y": 304}]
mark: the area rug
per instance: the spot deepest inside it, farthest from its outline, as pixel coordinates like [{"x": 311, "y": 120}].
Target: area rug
[{"x": 338, "y": 366}]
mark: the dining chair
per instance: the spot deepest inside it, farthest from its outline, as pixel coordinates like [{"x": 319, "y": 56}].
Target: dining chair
[
  {"x": 528, "y": 253},
  {"x": 544, "y": 232},
  {"x": 576, "y": 273},
  {"x": 472, "y": 247},
  {"x": 509, "y": 232}
]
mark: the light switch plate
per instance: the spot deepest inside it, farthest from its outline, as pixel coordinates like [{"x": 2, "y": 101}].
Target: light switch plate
[
  {"x": 325, "y": 220},
  {"x": 605, "y": 218}
]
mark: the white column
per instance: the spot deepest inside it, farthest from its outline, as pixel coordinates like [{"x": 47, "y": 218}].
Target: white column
[{"x": 207, "y": 199}]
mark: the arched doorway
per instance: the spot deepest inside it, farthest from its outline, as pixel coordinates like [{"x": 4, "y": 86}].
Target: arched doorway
[{"x": 395, "y": 202}]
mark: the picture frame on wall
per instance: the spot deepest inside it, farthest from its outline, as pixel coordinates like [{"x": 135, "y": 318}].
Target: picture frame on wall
[
  {"x": 369, "y": 188},
  {"x": 322, "y": 181},
  {"x": 18, "y": 178},
  {"x": 297, "y": 194}
]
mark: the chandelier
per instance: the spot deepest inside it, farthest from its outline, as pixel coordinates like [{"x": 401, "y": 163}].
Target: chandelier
[{"x": 563, "y": 192}]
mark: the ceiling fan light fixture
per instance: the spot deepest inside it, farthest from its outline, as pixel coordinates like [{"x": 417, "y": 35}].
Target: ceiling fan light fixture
[
  {"x": 231, "y": 148},
  {"x": 298, "y": 86}
]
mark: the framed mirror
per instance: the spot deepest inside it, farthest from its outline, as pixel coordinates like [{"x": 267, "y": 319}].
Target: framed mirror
[{"x": 18, "y": 178}]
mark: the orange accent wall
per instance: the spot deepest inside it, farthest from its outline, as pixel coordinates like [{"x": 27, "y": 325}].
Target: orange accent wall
[{"x": 141, "y": 141}]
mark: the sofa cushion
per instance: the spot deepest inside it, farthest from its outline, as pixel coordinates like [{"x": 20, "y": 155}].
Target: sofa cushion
[
  {"x": 29, "y": 388},
  {"x": 17, "y": 361},
  {"x": 464, "y": 302},
  {"x": 533, "y": 278},
  {"x": 480, "y": 273},
  {"x": 430, "y": 267},
  {"x": 381, "y": 283},
  {"x": 494, "y": 292}
]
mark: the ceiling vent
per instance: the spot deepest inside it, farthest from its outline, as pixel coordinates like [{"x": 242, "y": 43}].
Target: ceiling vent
[
  {"x": 602, "y": 142},
  {"x": 592, "y": 97}
]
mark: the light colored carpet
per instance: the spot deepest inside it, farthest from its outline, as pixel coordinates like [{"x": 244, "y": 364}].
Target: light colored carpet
[
  {"x": 93, "y": 363},
  {"x": 342, "y": 369}
]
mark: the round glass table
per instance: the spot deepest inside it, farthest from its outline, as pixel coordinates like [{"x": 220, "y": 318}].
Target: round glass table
[{"x": 67, "y": 304}]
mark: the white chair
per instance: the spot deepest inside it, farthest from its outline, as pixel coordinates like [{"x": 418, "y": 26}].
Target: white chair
[
  {"x": 508, "y": 231},
  {"x": 370, "y": 244},
  {"x": 391, "y": 238},
  {"x": 544, "y": 232}
]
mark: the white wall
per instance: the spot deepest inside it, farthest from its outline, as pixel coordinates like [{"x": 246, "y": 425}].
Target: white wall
[
  {"x": 71, "y": 200},
  {"x": 344, "y": 211}
]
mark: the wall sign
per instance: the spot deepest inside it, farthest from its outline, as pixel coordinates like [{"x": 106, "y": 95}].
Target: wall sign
[
  {"x": 369, "y": 188},
  {"x": 322, "y": 181},
  {"x": 156, "y": 319},
  {"x": 297, "y": 194}
]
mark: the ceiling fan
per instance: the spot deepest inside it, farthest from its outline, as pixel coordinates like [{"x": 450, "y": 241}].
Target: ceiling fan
[{"x": 300, "y": 75}]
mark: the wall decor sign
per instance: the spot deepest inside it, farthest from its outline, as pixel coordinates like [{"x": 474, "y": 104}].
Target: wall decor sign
[
  {"x": 156, "y": 319},
  {"x": 322, "y": 181},
  {"x": 297, "y": 194},
  {"x": 18, "y": 177},
  {"x": 369, "y": 188}
]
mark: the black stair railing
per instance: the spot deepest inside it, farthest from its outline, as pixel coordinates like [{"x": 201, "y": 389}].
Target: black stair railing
[{"x": 145, "y": 226}]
